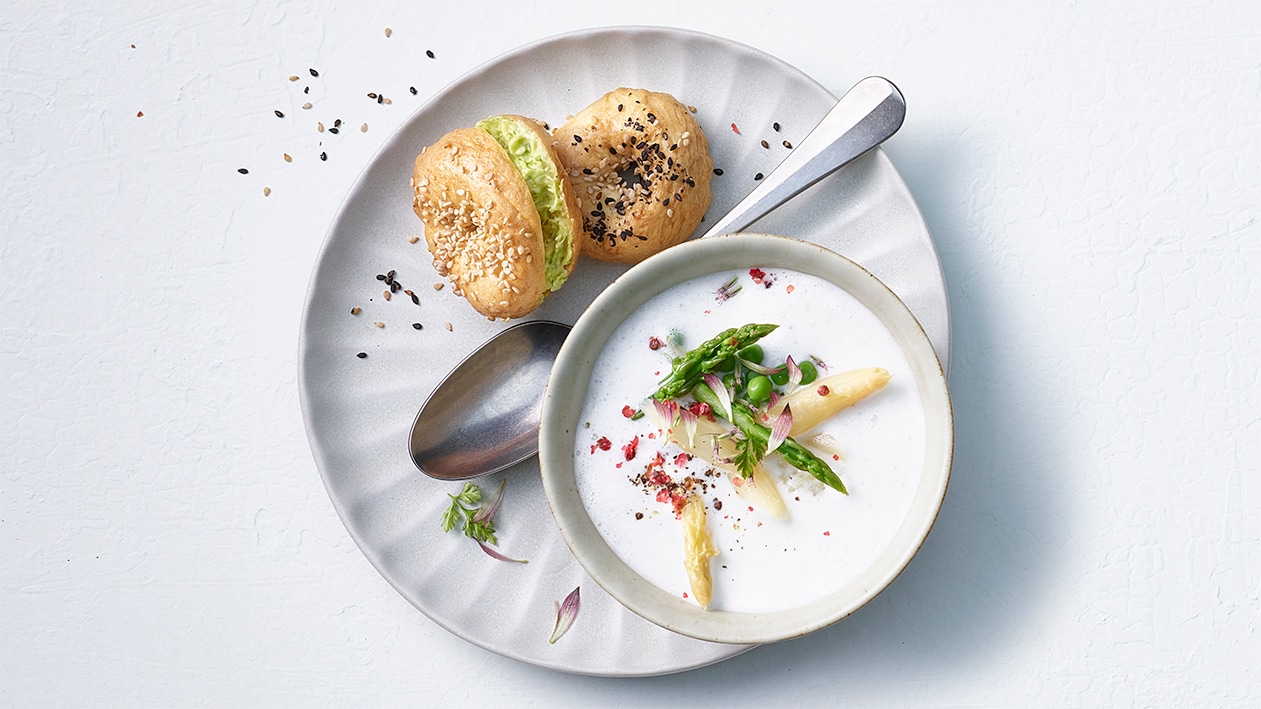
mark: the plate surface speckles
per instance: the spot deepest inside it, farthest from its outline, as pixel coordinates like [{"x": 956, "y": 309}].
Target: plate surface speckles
[{"x": 358, "y": 411}]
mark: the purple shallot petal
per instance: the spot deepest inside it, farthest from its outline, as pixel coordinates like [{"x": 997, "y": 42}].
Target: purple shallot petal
[
  {"x": 490, "y": 505},
  {"x": 720, "y": 390},
  {"x": 496, "y": 555},
  {"x": 780, "y": 429},
  {"x": 566, "y": 613}
]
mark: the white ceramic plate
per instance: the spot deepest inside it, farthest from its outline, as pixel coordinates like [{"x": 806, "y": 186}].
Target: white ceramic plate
[
  {"x": 358, "y": 411},
  {"x": 807, "y": 579}
]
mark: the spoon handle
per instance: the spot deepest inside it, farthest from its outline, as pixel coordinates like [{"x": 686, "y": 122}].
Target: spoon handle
[{"x": 865, "y": 117}]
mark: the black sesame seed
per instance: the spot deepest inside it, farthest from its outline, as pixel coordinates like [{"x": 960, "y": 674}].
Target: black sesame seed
[
  {"x": 372, "y": 94},
  {"x": 362, "y": 355},
  {"x": 788, "y": 145},
  {"x": 412, "y": 89},
  {"x": 765, "y": 144},
  {"x": 337, "y": 122},
  {"x": 612, "y": 151},
  {"x": 314, "y": 72},
  {"x": 381, "y": 276},
  {"x": 757, "y": 177},
  {"x": 718, "y": 171},
  {"x": 334, "y": 131},
  {"x": 775, "y": 125},
  {"x": 380, "y": 99},
  {"x": 306, "y": 89},
  {"x": 243, "y": 171},
  {"x": 417, "y": 326},
  {"x": 429, "y": 53},
  {"x": 577, "y": 138},
  {"x": 279, "y": 114},
  {"x": 324, "y": 156},
  {"x": 620, "y": 107}
]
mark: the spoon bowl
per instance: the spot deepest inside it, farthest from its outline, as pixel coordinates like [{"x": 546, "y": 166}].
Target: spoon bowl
[{"x": 484, "y": 416}]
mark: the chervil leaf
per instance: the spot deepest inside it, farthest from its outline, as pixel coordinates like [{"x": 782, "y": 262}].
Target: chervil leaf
[{"x": 749, "y": 452}]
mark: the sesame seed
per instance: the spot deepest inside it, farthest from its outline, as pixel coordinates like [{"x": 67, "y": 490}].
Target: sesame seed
[
  {"x": 388, "y": 31},
  {"x": 313, "y": 72},
  {"x": 293, "y": 77},
  {"x": 362, "y": 355},
  {"x": 372, "y": 94},
  {"x": 775, "y": 125},
  {"x": 363, "y": 128},
  {"x": 266, "y": 191},
  {"x": 413, "y": 239},
  {"x": 379, "y": 323},
  {"x": 757, "y": 177},
  {"x": 337, "y": 122},
  {"x": 385, "y": 294},
  {"x": 412, "y": 89},
  {"x": 429, "y": 53},
  {"x": 448, "y": 327},
  {"x": 324, "y": 156},
  {"x": 288, "y": 158},
  {"x": 334, "y": 131},
  {"x": 718, "y": 171},
  {"x": 788, "y": 145},
  {"x": 243, "y": 171},
  {"x": 319, "y": 127},
  {"x": 417, "y": 326},
  {"x": 438, "y": 286},
  {"x": 356, "y": 310},
  {"x": 139, "y": 114},
  {"x": 766, "y": 144},
  {"x": 279, "y": 114},
  {"x": 306, "y": 105}
]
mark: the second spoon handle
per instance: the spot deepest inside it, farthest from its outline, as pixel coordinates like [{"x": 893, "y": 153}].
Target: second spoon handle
[{"x": 866, "y": 116}]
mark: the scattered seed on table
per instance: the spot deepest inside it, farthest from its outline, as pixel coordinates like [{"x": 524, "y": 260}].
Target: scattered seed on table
[
  {"x": 288, "y": 158},
  {"x": 412, "y": 89},
  {"x": 334, "y": 131},
  {"x": 337, "y": 123},
  {"x": 379, "y": 323},
  {"x": 385, "y": 294},
  {"x": 356, "y": 310},
  {"x": 293, "y": 77},
  {"x": 386, "y": 101},
  {"x": 413, "y": 239},
  {"x": 388, "y": 31},
  {"x": 757, "y": 177},
  {"x": 279, "y": 114},
  {"x": 306, "y": 106},
  {"x": 363, "y": 128},
  {"x": 243, "y": 171},
  {"x": 429, "y": 53},
  {"x": 691, "y": 109},
  {"x": 381, "y": 276},
  {"x": 775, "y": 125},
  {"x": 718, "y": 171},
  {"x": 417, "y": 326},
  {"x": 362, "y": 355},
  {"x": 380, "y": 99},
  {"x": 313, "y": 72},
  {"x": 413, "y": 296},
  {"x": 788, "y": 145},
  {"x": 306, "y": 89},
  {"x": 766, "y": 144},
  {"x": 372, "y": 94},
  {"x": 324, "y": 156},
  {"x": 448, "y": 327},
  {"x": 266, "y": 191}
]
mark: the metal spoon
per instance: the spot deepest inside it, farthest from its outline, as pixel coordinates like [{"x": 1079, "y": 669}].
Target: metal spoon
[{"x": 484, "y": 416}]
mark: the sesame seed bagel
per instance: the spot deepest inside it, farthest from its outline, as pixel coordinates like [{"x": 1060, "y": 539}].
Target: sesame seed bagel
[
  {"x": 505, "y": 238},
  {"x": 641, "y": 167}
]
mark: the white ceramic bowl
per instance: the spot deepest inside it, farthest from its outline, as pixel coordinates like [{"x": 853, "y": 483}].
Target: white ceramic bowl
[{"x": 567, "y": 389}]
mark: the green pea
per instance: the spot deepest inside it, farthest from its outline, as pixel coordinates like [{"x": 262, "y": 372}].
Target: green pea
[
  {"x": 752, "y": 353},
  {"x": 727, "y": 365},
  {"x": 759, "y": 389},
  {"x": 780, "y": 377},
  {"x": 808, "y": 372}
]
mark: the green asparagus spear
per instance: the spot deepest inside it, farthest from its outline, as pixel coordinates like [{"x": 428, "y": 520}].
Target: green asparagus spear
[
  {"x": 796, "y": 454},
  {"x": 706, "y": 358}
]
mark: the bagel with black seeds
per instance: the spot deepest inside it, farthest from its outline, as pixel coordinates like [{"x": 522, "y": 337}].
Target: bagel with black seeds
[{"x": 641, "y": 168}]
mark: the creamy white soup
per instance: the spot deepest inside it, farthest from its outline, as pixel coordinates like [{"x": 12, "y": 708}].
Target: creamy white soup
[{"x": 763, "y": 564}]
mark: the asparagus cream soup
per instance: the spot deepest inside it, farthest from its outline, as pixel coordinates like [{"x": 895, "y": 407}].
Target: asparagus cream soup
[{"x": 637, "y": 467}]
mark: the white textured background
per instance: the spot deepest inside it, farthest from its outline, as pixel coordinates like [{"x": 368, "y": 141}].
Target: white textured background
[{"x": 1092, "y": 177}]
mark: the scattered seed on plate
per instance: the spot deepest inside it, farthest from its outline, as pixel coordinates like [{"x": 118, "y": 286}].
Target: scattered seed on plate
[
  {"x": 438, "y": 286},
  {"x": 388, "y": 31},
  {"x": 139, "y": 114},
  {"x": 413, "y": 239},
  {"x": 381, "y": 276},
  {"x": 412, "y": 89},
  {"x": 288, "y": 158},
  {"x": 413, "y": 296},
  {"x": 243, "y": 171},
  {"x": 362, "y": 355},
  {"x": 691, "y": 108},
  {"x": 356, "y": 310},
  {"x": 334, "y": 131},
  {"x": 386, "y": 100},
  {"x": 363, "y": 128},
  {"x": 718, "y": 171},
  {"x": 319, "y": 127},
  {"x": 279, "y": 114},
  {"x": 306, "y": 89},
  {"x": 417, "y": 326},
  {"x": 313, "y": 72},
  {"x": 766, "y": 144},
  {"x": 757, "y": 177},
  {"x": 429, "y": 53},
  {"x": 324, "y": 156},
  {"x": 448, "y": 327},
  {"x": 337, "y": 123},
  {"x": 386, "y": 295},
  {"x": 293, "y": 77},
  {"x": 372, "y": 94},
  {"x": 379, "y": 323},
  {"x": 306, "y": 105},
  {"x": 788, "y": 145},
  {"x": 266, "y": 191}
]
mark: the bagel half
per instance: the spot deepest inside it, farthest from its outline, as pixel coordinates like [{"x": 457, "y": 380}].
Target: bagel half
[
  {"x": 642, "y": 168},
  {"x": 500, "y": 216}
]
